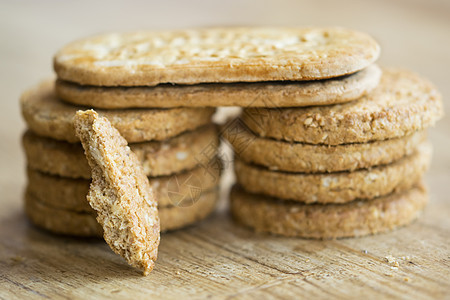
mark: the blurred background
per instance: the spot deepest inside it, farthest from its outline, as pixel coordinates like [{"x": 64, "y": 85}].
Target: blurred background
[{"x": 414, "y": 34}]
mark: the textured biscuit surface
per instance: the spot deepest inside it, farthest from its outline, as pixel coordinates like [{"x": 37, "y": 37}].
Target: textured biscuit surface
[
  {"x": 47, "y": 116},
  {"x": 357, "y": 218},
  {"x": 119, "y": 192},
  {"x": 215, "y": 55},
  {"x": 70, "y": 194},
  {"x": 401, "y": 104},
  {"x": 63, "y": 221},
  {"x": 261, "y": 94},
  {"x": 170, "y": 156},
  {"x": 337, "y": 187},
  {"x": 308, "y": 158}
]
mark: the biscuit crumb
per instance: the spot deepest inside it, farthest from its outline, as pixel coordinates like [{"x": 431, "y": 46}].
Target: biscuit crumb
[
  {"x": 406, "y": 279},
  {"x": 392, "y": 261}
]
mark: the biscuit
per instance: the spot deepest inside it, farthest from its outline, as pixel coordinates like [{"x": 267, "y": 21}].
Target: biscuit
[
  {"x": 70, "y": 194},
  {"x": 170, "y": 156},
  {"x": 402, "y": 103},
  {"x": 62, "y": 221},
  {"x": 353, "y": 219},
  {"x": 338, "y": 187},
  {"x": 47, "y": 116},
  {"x": 261, "y": 94},
  {"x": 119, "y": 192},
  {"x": 215, "y": 55},
  {"x": 307, "y": 158}
]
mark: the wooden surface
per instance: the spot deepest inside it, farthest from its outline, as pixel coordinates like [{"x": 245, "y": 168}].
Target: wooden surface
[{"x": 217, "y": 258}]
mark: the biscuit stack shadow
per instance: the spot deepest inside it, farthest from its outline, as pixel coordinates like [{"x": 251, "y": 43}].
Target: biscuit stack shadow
[
  {"x": 177, "y": 148},
  {"x": 335, "y": 171}
]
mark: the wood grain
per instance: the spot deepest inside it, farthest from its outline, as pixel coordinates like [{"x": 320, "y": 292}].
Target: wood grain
[{"x": 217, "y": 258}]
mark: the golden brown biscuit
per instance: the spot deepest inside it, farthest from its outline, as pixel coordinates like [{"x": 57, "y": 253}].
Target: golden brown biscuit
[
  {"x": 170, "y": 156},
  {"x": 47, "y": 116},
  {"x": 70, "y": 194},
  {"x": 402, "y": 103},
  {"x": 119, "y": 192},
  {"x": 317, "y": 221},
  {"x": 308, "y": 158},
  {"x": 215, "y": 55},
  {"x": 62, "y": 221},
  {"x": 261, "y": 94},
  {"x": 338, "y": 187}
]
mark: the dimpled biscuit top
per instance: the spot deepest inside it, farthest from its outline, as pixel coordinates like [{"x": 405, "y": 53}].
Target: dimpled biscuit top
[{"x": 215, "y": 55}]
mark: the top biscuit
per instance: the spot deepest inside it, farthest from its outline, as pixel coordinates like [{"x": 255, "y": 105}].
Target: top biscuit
[{"x": 215, "y": 55}]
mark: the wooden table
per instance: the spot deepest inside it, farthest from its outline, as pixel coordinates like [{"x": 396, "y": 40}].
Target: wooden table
[{"x": 217, "y": 258}]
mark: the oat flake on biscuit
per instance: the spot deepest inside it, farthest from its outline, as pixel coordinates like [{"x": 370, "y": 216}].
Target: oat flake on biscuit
[{"x": 215, "y": 55}]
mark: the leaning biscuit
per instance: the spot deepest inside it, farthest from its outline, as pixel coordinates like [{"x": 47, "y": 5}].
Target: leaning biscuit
[
  {"x": 307, "y": 158},
  {"x": 174, "y": 155},
  {"x": 119, "y": 192},
  {"x": 67, "y": 222},
  {"x": 70, "y": 194},
  {"x": 402, "y": 103},
  {"x": 317, "y": 221},
  {"x": 215, "y": 55},
  {"x": 337, "y": 187},
  {"x": 47, "y": 116},
  {"x": 261, "y": 94}
]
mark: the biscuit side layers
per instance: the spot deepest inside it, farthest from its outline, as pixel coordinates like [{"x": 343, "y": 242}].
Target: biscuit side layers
[
  {"x": 260, "y": 94},
  {"x": 48, "y": 116},
  {"x": 70, "y": 194},
  {"x": 358, "y": 218},
  {"x": 307, "y": 158},
  {"x": 401, "y": 104},
  {"x": 174, "y": 155},
  {"x": 61, "y": 221},
  {"x": 337, "y": 187}
]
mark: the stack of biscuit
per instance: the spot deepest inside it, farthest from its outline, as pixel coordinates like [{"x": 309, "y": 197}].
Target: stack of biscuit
[
  {"x": 339, "y": 170},
  {"x": 177, "y": 148},
  {"x": 328, "y": 166},
  {"x": 328, "y": 145}
]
